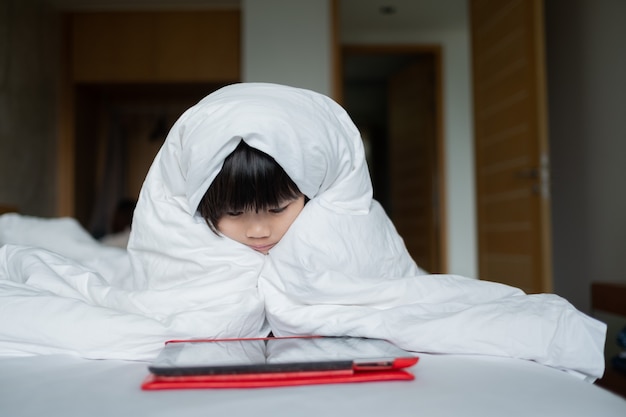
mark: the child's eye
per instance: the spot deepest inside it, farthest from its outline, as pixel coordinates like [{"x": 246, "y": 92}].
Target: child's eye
[
  {"x": 280, "y": 209},
  {"x": 234, "y": 213}
]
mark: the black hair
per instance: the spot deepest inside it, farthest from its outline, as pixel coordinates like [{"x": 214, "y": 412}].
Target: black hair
[{"x": 249, "y": 180}]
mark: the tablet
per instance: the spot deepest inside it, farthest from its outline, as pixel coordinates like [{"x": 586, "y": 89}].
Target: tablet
[{"x": 281, "y": 355}]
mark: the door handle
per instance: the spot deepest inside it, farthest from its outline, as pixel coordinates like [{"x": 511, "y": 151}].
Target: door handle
[{"x": 541, "y": 174}]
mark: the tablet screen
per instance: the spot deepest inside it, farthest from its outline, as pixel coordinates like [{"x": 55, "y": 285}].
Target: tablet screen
[{"x": 288, "y": 354}]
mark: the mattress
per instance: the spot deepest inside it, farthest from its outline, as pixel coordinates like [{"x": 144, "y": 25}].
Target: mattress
[{"x": 444, "y": 385}]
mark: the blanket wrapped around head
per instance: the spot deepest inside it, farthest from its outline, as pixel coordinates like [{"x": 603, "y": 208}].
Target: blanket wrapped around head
[
  {"x": 316, "y": 143},
  {"x": 341, "y": 268}
]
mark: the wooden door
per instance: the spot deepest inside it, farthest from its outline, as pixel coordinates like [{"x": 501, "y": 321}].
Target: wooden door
[
  {"x": 156, "y": 46},
  {"x": 414, "y": 160},
  {"x": 511, "y": 151}
]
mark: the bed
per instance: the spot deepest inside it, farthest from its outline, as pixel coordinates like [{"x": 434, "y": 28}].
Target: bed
[
  {"x": 67, "y": 384},
  {"x": 444, "y": 385}
]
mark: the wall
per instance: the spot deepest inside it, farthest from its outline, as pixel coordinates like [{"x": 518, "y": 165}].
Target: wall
[
  {"x": 458, "y": 137},
  {"x": 288, "y": 42},
  {"x": 29, "y": 59},
  {"x": 587, "y": 105}
]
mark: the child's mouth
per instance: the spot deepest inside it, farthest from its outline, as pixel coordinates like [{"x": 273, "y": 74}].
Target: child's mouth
[{"x": 262, "y": 248}]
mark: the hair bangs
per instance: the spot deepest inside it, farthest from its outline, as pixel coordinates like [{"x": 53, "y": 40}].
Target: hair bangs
[{"x": 249, "y": 180}]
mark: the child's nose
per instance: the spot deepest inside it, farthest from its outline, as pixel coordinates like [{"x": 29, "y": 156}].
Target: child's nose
[{"x": 258, "y": 229}]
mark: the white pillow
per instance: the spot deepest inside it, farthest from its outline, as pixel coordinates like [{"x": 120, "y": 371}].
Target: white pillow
[{"x": 63, "y": 235}]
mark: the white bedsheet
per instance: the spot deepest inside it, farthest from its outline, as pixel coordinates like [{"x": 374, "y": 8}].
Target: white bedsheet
[
  {"x": 444, "y": 385},
  {"x": 341, "y": 269}
]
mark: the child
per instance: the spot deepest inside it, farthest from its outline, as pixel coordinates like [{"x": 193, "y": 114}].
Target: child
[{"x": 256, "y": 216}]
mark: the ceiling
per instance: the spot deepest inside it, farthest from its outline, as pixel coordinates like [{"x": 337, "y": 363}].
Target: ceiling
[
  {"x": 401, "y": 15},
  {"x": 356, "y": 15}
]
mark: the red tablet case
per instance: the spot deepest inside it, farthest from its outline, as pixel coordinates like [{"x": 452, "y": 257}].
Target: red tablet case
[
  {"x": 281, "y": 379},
  {"x": 154, "y": 382}
]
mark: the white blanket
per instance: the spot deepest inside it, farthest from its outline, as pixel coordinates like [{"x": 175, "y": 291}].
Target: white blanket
[{"x": 341, "y": 269}]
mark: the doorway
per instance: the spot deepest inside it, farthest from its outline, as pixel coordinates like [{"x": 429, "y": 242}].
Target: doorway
[
  {"x": 119, "y": 130},
  {"x": 393, "y": 94}
]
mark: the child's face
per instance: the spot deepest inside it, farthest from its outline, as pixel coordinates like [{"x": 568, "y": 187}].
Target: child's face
[{"x": 261, "y": 230}]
